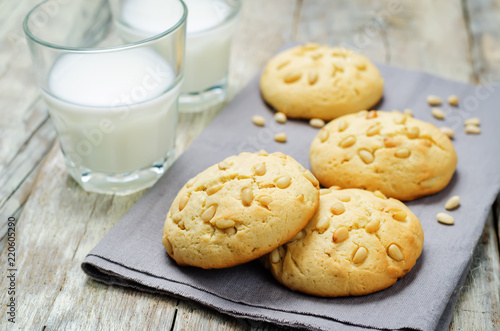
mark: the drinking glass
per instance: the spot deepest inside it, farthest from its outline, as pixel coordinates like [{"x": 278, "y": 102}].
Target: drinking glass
[
  {"x": 210, "y": 27},
  {"x": 114, "y": 105}
]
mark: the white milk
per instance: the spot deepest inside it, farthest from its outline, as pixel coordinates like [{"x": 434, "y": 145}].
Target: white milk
[
  {"x": 207, "y": 43},
  {"x": 113, "y": 111}
]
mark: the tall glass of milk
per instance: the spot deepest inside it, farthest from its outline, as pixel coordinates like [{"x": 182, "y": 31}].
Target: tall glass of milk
[
  {"x": 114, "y": 105},
  {"x": 210, "y": 26}
]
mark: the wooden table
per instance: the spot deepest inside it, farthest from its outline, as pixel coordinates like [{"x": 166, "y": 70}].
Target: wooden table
[{"x": 58, "y": 223}]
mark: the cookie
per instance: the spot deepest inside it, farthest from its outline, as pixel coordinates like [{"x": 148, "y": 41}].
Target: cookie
[
  {"x": 401, "y": 156},
  {"x": 357, "y": 243},
  {"x": 314, "y": 81},
  {"x": 239, "y": 210}
]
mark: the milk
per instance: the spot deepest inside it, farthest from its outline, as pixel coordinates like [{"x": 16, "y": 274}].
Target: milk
[
  {"x": 207, "y": 43},
  {"x": 115, "y": 112}
]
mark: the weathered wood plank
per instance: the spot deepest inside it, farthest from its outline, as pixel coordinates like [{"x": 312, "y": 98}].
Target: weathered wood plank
[
  {"x": 16, "y": 179},
  {"x": 25, "y": 134},
  {"x": 475, "y": 310}
]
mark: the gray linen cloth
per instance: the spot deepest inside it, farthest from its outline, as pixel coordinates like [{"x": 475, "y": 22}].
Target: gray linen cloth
[{"x": 132, "y": 253}]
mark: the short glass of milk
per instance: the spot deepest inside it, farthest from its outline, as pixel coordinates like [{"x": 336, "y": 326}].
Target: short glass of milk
[
  {"x": 114, "y": 105},
  {"x": 210, "y": 27}
]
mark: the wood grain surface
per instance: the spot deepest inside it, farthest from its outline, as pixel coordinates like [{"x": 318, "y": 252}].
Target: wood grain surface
[{"x": 58, "y": 223}]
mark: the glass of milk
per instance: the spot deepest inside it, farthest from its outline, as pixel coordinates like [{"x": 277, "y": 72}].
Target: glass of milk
[
  {"x": 114, "y": 105},
  {"x": 210, "y": 26}
]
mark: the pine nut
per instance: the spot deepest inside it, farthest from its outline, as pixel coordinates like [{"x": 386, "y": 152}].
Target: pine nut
[
  {"x": 298, "y": 236},
  {"x": 292, "y": 77},
  {"x": 399, "y": 215},
  {"x": 453, "y": 100},
  {"x": 438, "y": 113},
  {"x": 223, "y": 165},
  {"x": 168, "y": 246},
  {"x": 214, "y": 189},
  {"x": 344, "y": 198},
  {"x": 190, "y": 182},
  {"x": 400, "y": 119},
  {"x": 275, "y": 256},
  {"x": 408, "y": 112},
  {"x": 379, "y": 194},
  {"x": 224, "y": 223},
  {"x": 317, "y": 123},
  {"x": 247, "y": 196},
  {"x": 433, "y": 100},
  {"x": 323, "y": 135},
  {"x": 373, "y": 130},
  {"x": 366, "y": 156},
  {"x": 340, "y": 235},
  {"x": 262, "y": 153},
  {"x": 337, "y": 208},
  {"x": 283, "y": 182},
  {"x": 472, "y": 121},
  {"x": 310, "y": 177},
  {"x": 316, "y": 56},
  {"x": 445, "y": 218},
  {"x": 209, "y": 213},
  {"x": 258, "y": 120},
  {"x": 230, "y": 231},
  {"x": 452, "y": 202},
  {"x": 283, "y": 64},
  {"x": 280, "y": 137},
  {"x": 312, "y": 77},
  {"x": 395, "y": 253},
  {"x": 280, "y": 117},
  {"x": 348, "y": 142},
  {"x": 324, "y": 191},
  {"x": 402, "y": 153},
  {"x": 265, "y": 200},
  {"x": 413, "y": 132},
  {"x": 448, "y": 131},
  {"x": 389, "y": 142},
  {"x": 372, "y": 226},
  {"x": 371, "y": 114},
  {"x": 342, "y": 125},
  {"x": 310, "y": 46},
  {"x": 472, "y": 129},
  {"x": 360, "y": 255},
  {"x": 177, "y": 217},
  {"x": 183, "y": 202},
  {"x": 260, "y": 170},
  {"x": 323, "y": 224},
  {"x": 360, "y": 64}
]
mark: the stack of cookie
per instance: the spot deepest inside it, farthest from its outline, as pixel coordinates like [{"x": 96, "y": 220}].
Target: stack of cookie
[{"x": 353, "y": 237}]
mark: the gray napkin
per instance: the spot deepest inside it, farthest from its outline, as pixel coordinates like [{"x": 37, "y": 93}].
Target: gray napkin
[{"x": 132, "y": 253}]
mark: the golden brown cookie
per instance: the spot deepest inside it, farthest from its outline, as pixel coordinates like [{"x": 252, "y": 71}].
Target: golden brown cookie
[
  {"x": 239, "y": 210},
  {"x": 357, "y": 243},
  {"x": 314, "y": 81},
  {"x": 401, "y": 156}
]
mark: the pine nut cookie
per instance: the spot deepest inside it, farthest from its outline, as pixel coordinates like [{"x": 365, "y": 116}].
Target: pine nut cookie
[
  {"x": 239, "y": 209},
  {"x": 357, "y": 243},
  {"x": 314, "y": 81},
  {"x": 403, "y": 157}
]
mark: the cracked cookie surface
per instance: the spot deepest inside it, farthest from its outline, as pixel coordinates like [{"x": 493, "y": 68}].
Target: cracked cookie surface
[
  {"x": 240, "y": 209},
  {"x": 313, "y": 81},
  {"x": 357, "y": 243},
  {"x": 401, "y": 156}
]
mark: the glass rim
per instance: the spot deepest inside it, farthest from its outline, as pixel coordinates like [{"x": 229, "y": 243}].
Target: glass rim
[
  {"x": 229, "y": 18},
  {"x": 141, "y": 42}
]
